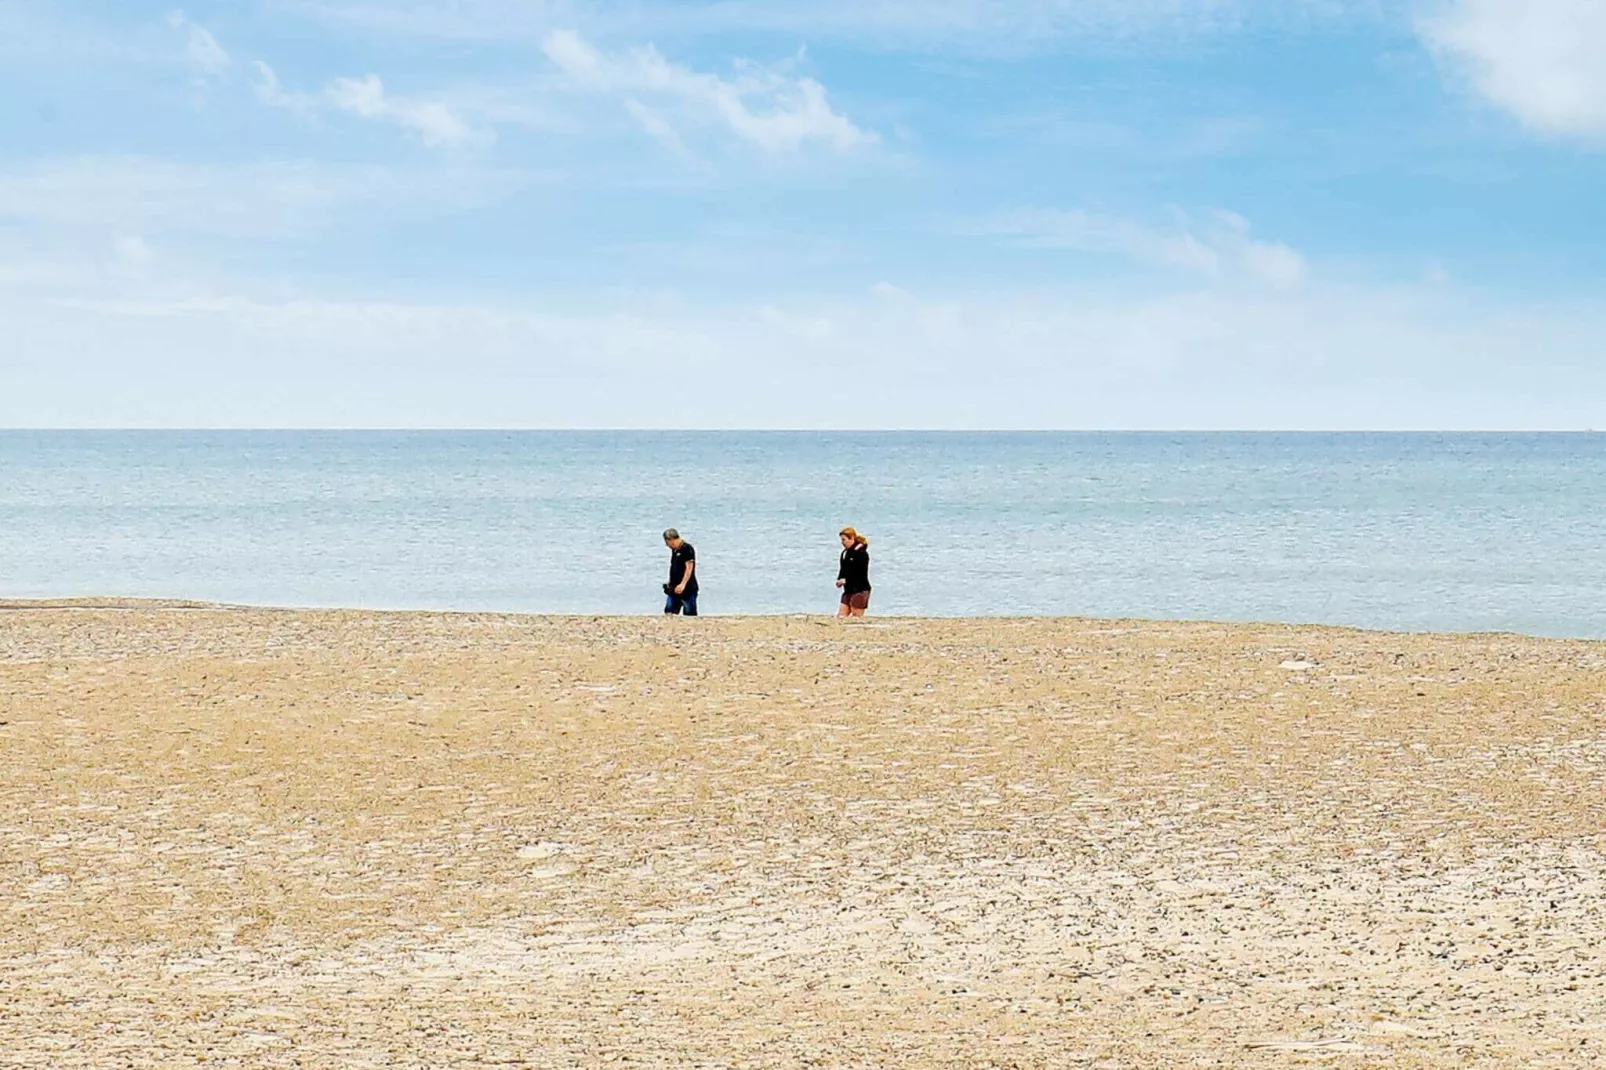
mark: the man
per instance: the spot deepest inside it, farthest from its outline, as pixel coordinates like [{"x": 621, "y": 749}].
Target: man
[{"x": 682, "y": 586}]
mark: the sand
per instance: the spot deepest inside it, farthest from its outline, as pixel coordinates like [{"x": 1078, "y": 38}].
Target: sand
[{"x": 344, "y": 839}]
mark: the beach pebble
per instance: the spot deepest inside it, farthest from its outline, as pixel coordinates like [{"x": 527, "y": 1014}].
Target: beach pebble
[{"x": 534, "y": 852}]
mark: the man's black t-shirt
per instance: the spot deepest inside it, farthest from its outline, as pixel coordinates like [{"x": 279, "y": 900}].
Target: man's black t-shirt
[
  {"x": 679, "y": 558},
  {"x": 855, "y": 570}
]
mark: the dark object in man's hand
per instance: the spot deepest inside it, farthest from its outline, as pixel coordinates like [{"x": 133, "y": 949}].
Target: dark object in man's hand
[{"x": 669, "y": 588}]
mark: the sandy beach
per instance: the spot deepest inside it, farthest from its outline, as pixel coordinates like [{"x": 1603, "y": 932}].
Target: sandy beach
[{"x": 351, "y": 839}]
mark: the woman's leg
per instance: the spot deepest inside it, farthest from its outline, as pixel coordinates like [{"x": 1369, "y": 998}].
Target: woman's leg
[{"x": 844, "y": 610}]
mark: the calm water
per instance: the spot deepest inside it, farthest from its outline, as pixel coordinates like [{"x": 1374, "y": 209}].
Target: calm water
[{"x": 1451, "y": 532}]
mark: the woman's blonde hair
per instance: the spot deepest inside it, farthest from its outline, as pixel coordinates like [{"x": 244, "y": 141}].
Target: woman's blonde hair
[{"x": 858, "y": 540}]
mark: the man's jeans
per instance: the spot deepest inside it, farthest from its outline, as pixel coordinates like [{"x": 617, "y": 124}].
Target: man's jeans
[{"x": 682, "y": 603}]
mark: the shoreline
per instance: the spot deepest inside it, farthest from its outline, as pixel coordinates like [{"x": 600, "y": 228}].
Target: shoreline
[{"x": 142, "y": 604}]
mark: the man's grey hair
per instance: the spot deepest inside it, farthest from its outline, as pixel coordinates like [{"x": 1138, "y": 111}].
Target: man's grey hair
[{"x": 670, "y": 533}]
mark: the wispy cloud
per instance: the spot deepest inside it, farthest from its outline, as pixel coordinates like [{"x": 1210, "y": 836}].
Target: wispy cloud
[
  {"x": 657, "y": 127},
  {"x": 202, "y": 50},
  {"x": 1544, "y": 61},
  {"x": 1220, "y": 245},
  {"x": 207, "y": 60},
  {"x": 434, "y": 122},
  {"x": 265, "y": 84},
  {"x": 765, "y": 106}
]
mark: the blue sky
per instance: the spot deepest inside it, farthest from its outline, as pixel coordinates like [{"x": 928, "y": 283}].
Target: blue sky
[{"x": 711, "y": 213}]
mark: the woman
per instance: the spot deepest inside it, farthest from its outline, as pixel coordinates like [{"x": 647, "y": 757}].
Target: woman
[{"x": 854, "y": 575}]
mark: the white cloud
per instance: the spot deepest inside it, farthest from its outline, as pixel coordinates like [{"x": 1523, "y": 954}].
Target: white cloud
[
  {"x": 765, "y": 106},
  {"x": 265, "y": 84},
  {"x": 657, "y": 127},
  {"x": 434, "y": 123},
  {"x": 1218, "y": 247},
  {"x": 1544, "y": 61},
  {"x": 202, "y": 50},
  {"x": 206, "y": 53}
]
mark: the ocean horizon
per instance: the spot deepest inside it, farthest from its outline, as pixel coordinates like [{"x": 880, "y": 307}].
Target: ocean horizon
[{"x": 1416, "y": 531}]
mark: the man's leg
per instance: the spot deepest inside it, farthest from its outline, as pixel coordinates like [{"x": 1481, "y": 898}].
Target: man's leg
[
  {"x": 688, "y": 604},
  {"x": 671, "y": 606}
]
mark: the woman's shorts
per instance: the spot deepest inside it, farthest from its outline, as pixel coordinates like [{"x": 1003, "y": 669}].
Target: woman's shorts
[{"x": 859, "y": 601}]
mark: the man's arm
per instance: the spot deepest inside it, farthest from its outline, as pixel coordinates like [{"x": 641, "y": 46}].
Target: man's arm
[{"x": 691, "y": 567}]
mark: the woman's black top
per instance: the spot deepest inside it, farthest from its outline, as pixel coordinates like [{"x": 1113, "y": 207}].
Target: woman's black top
[{"x": 855, "y": 570}]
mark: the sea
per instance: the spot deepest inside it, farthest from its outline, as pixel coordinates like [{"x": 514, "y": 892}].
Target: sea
[{"x": 1434, "y": 532}]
